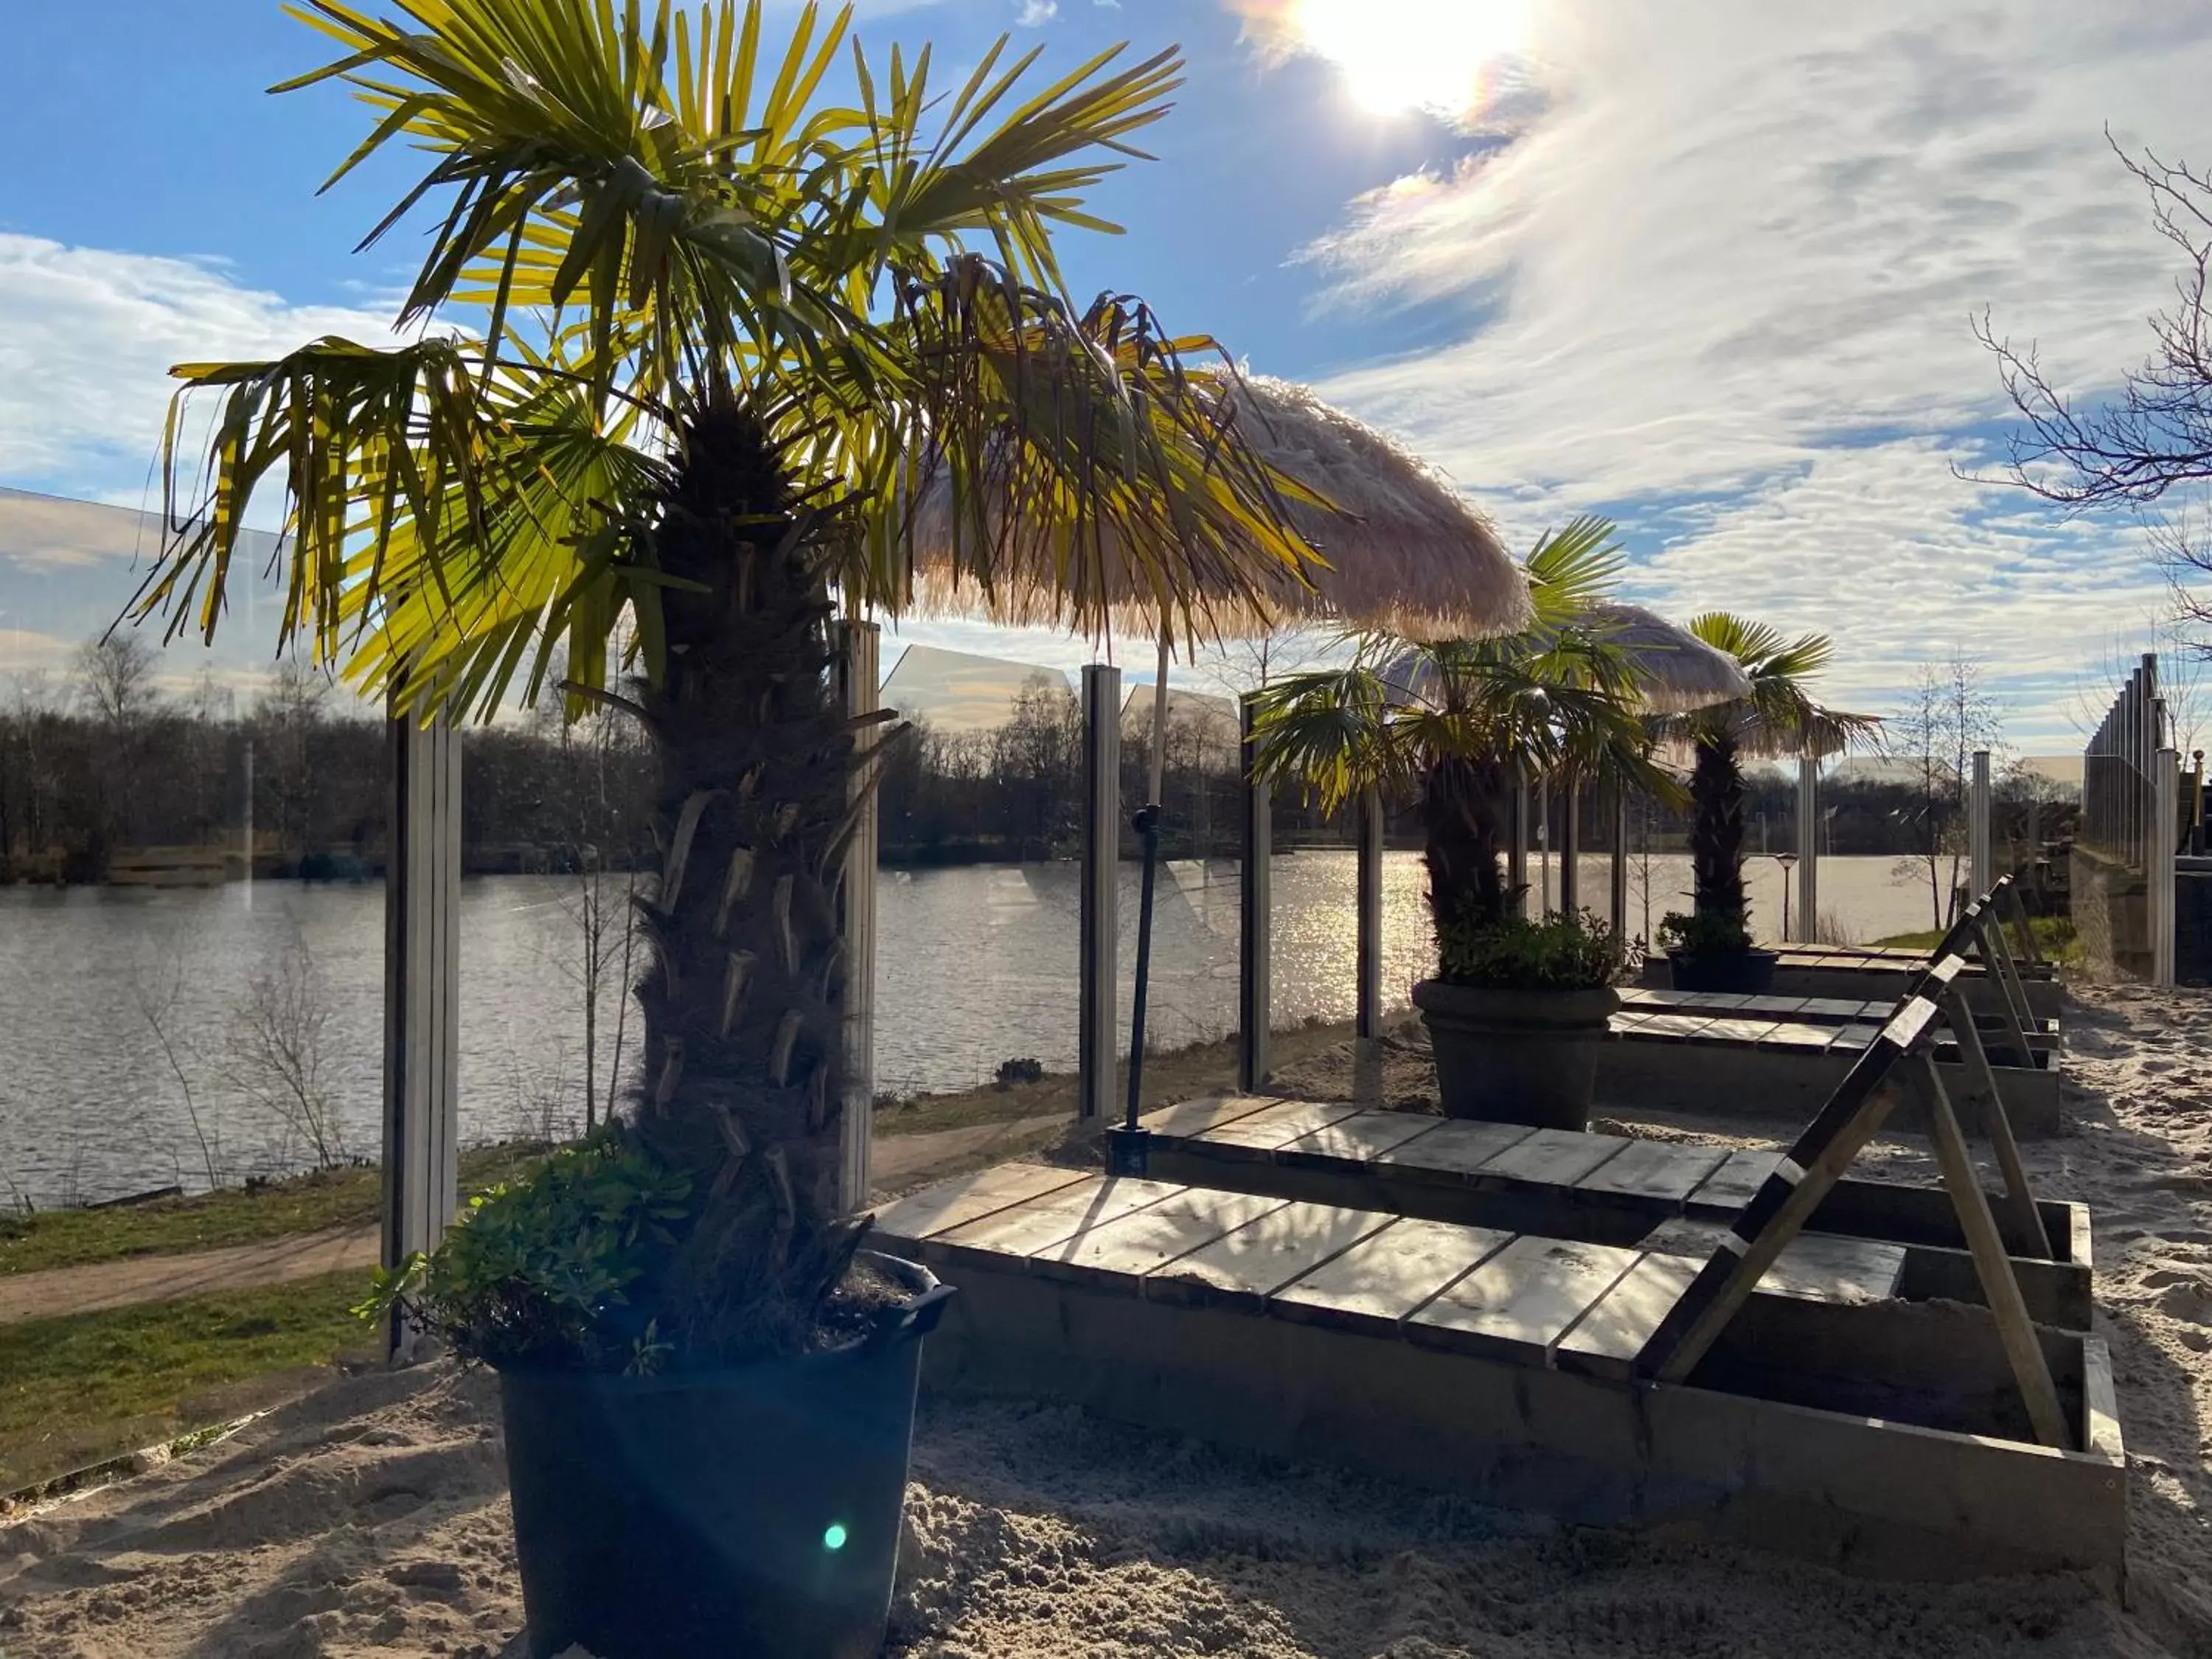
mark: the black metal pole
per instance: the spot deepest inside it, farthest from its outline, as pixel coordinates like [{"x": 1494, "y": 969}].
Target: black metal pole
[{"x": 1127, "y": 1145}]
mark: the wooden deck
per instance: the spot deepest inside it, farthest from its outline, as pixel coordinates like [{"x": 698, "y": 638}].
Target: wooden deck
[
  {"x": 1503, "y": 1363},
  {"x": 1873, "y": 973},
  {"x": 1605, "y": 1189}
]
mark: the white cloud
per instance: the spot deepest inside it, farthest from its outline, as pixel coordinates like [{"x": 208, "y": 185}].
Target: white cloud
[
  {"x": 1035, "y": 14},
  {"x": 90, "y": 337},
  {"x": 1723, "y": 283}
]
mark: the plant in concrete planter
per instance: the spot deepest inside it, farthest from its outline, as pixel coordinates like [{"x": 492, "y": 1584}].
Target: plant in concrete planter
[
  {"x": 1711, "y": 949},
  {"x": 702, "y": 335},
  {"x": 1517, "y": 1006}
]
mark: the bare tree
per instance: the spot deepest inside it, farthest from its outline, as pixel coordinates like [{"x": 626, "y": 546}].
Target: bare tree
[
  {"x": 276, "y": 1055},
  {"x": 157, "y": 986},
  {"x": 115, "y": 676},
  {"x": 2153, "y": 443},
  {"x": 1948, "y": 714}
]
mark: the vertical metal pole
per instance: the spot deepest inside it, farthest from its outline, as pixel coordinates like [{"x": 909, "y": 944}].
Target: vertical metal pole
[
  {"x": 1368, "y": 1006},
  {"x": 422, "y": 995},
  {"x": 249, "y": 823},
  {"x": 859, "y": 666},
  {"x": 1516, "y": 852},
  {"x": 2166, "y": 777},
  {"x": 1544, "y": 849},
  {"x": 1254, "y": 932},
  {"x": 1981, "y": 863},
  {"x": 1619, "y": 882},
  {"x": 1570, "y": 847},
  {"x": 1809, "y": 847},
  {"x": 1098, "y": 914}
]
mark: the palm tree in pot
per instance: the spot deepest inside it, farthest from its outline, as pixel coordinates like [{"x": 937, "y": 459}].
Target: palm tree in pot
[
  {"x": 1517, "y": 1006},
  {"x": 691, "y": 338},
  {"x": 1710, "y": 948}
]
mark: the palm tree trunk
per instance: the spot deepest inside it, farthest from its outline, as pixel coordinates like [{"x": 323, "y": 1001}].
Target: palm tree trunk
[
  {"x": 1716, "y": 833},
  {"x": 742, "y": 993},
  {"x": 1462, "y": 808}
]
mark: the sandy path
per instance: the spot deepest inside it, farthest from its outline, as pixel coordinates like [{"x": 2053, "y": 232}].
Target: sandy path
[
  {"x": 372, "y": 1518},
  {"x": 900, "y": 1160}
]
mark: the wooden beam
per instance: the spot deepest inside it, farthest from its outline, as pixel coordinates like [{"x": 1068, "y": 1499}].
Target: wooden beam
[
  {"x": 2024, "y": 1219},
  {"x": 2012, "y": 995},
  {"x": 2015, "y": 1329}
]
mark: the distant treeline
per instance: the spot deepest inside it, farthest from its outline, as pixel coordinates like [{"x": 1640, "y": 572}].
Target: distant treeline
[{"x": 110, "y": 765}]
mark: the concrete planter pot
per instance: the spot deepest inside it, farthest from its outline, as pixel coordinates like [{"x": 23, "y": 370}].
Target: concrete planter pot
[
  {"x": 1747, "y": 973},
  {"x": 1515, "y": 1056}
]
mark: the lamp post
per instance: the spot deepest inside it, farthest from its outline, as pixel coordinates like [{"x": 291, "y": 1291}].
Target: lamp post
[{"x": 1788, "y": 862}]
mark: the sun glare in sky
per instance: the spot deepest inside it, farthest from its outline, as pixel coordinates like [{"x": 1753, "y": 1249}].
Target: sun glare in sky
[{"x": 1435, "y": 55}]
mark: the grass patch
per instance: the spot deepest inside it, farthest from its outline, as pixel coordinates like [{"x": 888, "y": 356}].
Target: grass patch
[
  {"x": 87, "y": 1386},
  {"x": 2055, "y": 938},
  {"x": 1169, "y": 1075},
  {"x": 311, "y": 1203}
]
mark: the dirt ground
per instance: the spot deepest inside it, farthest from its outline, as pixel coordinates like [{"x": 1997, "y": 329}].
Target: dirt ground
[{"x": 372, "y": 1517}]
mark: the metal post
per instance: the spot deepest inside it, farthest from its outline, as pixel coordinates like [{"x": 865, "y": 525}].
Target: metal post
[
  {"x": 422, "y": 995},
  {"x": 1517, "y": 852},
  {"x": 1981, "y": 863},
  {"x": 1619, "y": 873},
  {"x": 1368, "y": 1006},
  {"x": 859, "y": 666},
  {"x": 1809, "y": 847},
  {"x": 1571, "y": 848},
  {"x": 1253, "y": 932},
  {"x": 1098, "y": 914},
  {"x": 249, "y": 823},
  {"x": 2166, "y": 778}
]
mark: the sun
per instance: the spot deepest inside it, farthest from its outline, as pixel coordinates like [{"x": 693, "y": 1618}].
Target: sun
[{"x": 1434, "y": 55}]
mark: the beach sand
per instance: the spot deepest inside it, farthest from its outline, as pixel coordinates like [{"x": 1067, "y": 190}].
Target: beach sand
[{"x": 372, "y": 1517}]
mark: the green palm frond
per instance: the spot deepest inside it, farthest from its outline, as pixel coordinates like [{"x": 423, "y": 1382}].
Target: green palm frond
[
  {"x": 643, "y": 210},
  {"x": 1779, "y": 715},
  {"x": 1571, "y": 569}
]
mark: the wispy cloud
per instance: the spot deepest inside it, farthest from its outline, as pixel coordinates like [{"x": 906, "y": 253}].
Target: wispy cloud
[
  {"x": 90, "y": 336},
  {"x": 1722, "y": 285}
]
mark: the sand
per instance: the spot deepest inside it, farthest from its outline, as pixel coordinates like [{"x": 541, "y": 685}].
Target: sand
[{"x": 372, "y": 1518}]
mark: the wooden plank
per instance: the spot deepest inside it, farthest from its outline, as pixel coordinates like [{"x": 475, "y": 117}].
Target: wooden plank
[
  {"x": 1554, "y": 1158},
  {"x": 2021, "y": 1217},
  {"x": 1671, "y": 1028},
  {"x": 1521, "y": 1301},
  {"x": 1852, "y": 1039},
  {"x": 1606, "y": 1340},
  {"x": 1840, "y": 1007},
  {"x": 1388, "y": 1274},
  {"x": 1361, "y": 1137},
  {"x": 1797, "y": 1038},
  {"x": 1260, "y": 1257},
  {"x": 1812, "y": 1267},
  {"x": 1195, "y": 1117},
  {"x": 1456, "y": 1148},
  {"x": 968, "y": 1198},
  {"x": 1741, "y": 1029},
  {"x": 1654, "y": 1169},
  {"x": 1123, "y": 1250},
  {"x": 1742, "y": 1174},
  {"x": 1041, "y": 1223},
  {"x": 1999, "y": 1284},
  {"x": 1277, "y": 1125}
]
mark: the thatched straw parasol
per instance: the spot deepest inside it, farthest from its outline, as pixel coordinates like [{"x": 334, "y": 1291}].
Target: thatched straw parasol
[
  {"x": 1403, "y": 551},
  {"x": 1679, "y": 672}
]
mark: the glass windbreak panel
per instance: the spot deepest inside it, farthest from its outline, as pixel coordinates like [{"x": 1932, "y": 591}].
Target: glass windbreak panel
[{"x": 190, "y": 922}]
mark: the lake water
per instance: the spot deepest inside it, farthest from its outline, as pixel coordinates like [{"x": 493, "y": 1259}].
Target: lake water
[{"x": 975, "y": 966}]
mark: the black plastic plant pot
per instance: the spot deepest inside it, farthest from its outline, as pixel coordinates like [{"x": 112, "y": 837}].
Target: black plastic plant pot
[
  {"x": 1750, "y": 973},
  {"x": 750, "y": 1512},
  {"x": 1515, "y": 1056}
]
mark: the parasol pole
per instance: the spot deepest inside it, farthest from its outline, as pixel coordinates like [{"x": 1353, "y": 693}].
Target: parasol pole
[{"x": 1129, "y": 1148}]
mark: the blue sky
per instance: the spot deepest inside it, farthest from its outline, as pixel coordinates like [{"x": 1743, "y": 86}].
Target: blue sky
[{"x": 1705, "y": 264}]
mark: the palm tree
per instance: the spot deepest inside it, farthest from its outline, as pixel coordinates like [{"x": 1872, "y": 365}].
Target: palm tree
[
  {"x": 1456, "y": 724},
  {"x": 1778, "y": 716},
  {"x": 692, "y": 335}
]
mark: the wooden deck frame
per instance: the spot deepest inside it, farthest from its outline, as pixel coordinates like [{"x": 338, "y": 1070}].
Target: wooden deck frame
[
  {"x": 1777, "y": 1213},
  {"x": 1407, "y": 1164},
  {"x": 1468, "y": 1360}
]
